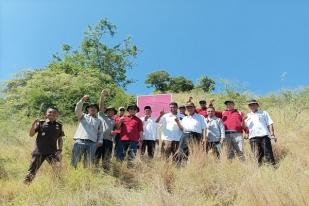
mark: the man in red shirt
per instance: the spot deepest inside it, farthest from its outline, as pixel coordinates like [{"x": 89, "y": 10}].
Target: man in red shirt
[
  {"x": 203, "y": 109},
  {"x": 116, "y": 132},
  {"x": 131, "y": 131},
  {"x": 233, "y": 123}
]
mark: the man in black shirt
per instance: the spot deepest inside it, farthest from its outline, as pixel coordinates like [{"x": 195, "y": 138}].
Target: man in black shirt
[{"x": 48, "y": 145}]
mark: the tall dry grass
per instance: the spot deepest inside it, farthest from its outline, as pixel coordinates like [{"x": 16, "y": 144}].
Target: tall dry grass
[{"x": 203, "y": 181}]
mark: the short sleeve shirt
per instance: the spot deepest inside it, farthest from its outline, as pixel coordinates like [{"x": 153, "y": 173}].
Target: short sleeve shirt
[
  {"x": 170, "y": 129},
  {"x": 257, "y": 123},
  {"x": 194, "y": 123},
  {"x": 131, "y": 128}
]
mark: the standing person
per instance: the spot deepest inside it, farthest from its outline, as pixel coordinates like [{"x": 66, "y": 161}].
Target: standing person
[
  {"x": 89, "y": 133},
  {"x": 171, "y": 131},
  {"x": 108, "y": 125},
  {"x": 182, "y": 111},
  {"x": 193, "y": 127},
  {"x": 233, "y": 123},
  {"x": 150, "y": 135},
  {"x": 131, "y": 131},
  {"x": 202, "y": 110},
  {"x": 215, "y": 132},
  {"x": 261, "y": 131},
  {"x": 116, "y": 132},
  {"x": 48, "y": 144}
]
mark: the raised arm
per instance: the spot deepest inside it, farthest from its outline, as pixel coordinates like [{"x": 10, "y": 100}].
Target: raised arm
[
  {"x": 79, "y": 106},
  {"x": 104, "y": 93},
  {"x": 33, "y": 128}
]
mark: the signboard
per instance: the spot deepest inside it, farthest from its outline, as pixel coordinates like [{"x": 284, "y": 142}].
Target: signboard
[{"x": 156, "y": 102}]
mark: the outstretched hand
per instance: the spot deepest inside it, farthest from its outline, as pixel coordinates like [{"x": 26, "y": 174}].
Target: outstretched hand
[{"x": 85, "y": 98}]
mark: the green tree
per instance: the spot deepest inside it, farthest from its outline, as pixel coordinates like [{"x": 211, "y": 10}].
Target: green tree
[
  {"x": 180, "y": 84},
  {"x": 160, "y": 80},
  {"x": 95, "y": 54},
  {"x": 206, "y": 84}
]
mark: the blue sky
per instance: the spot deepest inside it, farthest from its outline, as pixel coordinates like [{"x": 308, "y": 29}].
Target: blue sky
[{"x": 251, "y": 42}]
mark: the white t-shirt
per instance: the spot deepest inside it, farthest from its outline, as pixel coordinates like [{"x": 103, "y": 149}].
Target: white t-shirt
[
  {"x": 193, "y": 123},
  {"x": 257, "y": 123},
  {"x": 150, "y": 129},
  {"x": 170, "y": 129}
]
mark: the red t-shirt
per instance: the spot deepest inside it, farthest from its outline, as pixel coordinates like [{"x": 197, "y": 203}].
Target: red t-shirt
[
  {"x": 131, "y": 128},
  {"x": 232, "y": 120},
  {"x": 203, "y": 112},
  {"x": 116, "y": 119}
]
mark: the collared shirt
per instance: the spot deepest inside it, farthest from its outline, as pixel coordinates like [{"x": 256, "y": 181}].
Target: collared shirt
[
  {"x": 89, "y": 127},
  {"x": 215, "y": 129},
  {"x": 170, "y": 129},
  {"x": 232, "y": 120},
  {"x": 203, "y": 112},
  {"x": 131, "y": 128},
  {"x": 108, "y": 125},
  {"x": 193, "y": 123},
  {"x": 257, "y": 123},
  {"x": 47, "y": 137},
  {"x": 150, "y": 129}
]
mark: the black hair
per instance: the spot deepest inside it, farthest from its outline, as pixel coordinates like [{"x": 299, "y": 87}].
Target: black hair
[
  {"x": 174, "y": 104},
  {"x": 147, "y": 107}
]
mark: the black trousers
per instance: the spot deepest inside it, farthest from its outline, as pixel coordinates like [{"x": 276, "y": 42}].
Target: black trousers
[
  {"x": 105, "y": 153},
  {"x": 215, "y": 147},
  {"x": 261, "y": 148},
  {"x": 186, "y": 140},
  {"x": 150, "y": 145},
  {"x": 36, "y": 162}
]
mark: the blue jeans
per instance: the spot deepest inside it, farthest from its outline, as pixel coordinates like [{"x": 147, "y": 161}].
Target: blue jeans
[
  {"x": 84, "y": 148},
  {"x": 124, "y": 147}
]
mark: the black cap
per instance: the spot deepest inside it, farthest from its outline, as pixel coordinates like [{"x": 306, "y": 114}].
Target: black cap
[
  {"x": 202, "y": 101},
  {"x": 133, "y": 106},
  {"x": 92, "y": 105},
  {"x": 147, "y": 107},
  {"x": 229, "y": 101},
  {"x": 252, "y": 101}
]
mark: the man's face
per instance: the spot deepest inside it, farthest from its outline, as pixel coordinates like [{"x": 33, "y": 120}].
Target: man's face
[
  {"x": 230, "y": 106},
  {"x": 51, "y": 114},
  {"x": 110, "y": 113},
  {"x": 210, "y": 112},
  {"x": 203, "y": 104},
  {"x": 182, "y": 110},
  {"x": 253, "y": 107},
  {"x": 132, "y": 111},
  {"x": 190, "y": 109},
  {"x": 121, "y": 112},
  {"x": 92, "y": 110},
  {"x": 173, "y": 108},
  {"x": 147, "y": 112}
]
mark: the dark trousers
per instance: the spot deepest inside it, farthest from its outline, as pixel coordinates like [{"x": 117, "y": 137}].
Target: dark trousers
[
  {"x": 150, "y": 145},
  {"x": 36, "y": 162},
  {"x": 116, "y": 141},
  {"x": 124, "y": 148},
  {"x": 169, "y": 148},
  {"x": 215, "y": 147},
  {"x": 186, "y": 140},
  {"x": 261, "y": 148},
  {"x": 105, "y": 153}
]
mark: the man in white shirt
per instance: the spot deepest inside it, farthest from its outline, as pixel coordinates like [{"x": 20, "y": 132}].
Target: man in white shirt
[
  {"x": 193, "y": 127},
  {"x": 150, "y": 135},
  {"x": 215, "y": 132},
  {"x": 261, "y": 131},
  {"x": 171, "y": 132}
]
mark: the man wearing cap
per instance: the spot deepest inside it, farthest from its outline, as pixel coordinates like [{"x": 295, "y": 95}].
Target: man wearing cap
[
  {"x": 182, "y": 111},
  {"x": 48, "y": 144},
  {"x": 261, "y": 131},
  {"x": 193, "y": 127},
  {"x": 203, "y": 108},
  {"x": 171, "y": 132},
  {"x": 150, "y": 135},
  {"x": 108, "y": 125},
  {"x": 89, "y": 133},
  {"x": 233, "y": 123},
  {"x": 131, "y": 131}
]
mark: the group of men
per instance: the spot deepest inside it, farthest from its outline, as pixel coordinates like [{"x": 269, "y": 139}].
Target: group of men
[{"x": 102, "y": 133}]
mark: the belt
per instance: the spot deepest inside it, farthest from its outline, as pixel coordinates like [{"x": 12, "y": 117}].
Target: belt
[
  {"x": 85, "y": 140},
  {"x": 232, "y": 132}
]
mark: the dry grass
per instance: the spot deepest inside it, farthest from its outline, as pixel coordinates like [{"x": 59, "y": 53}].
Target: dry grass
[{"x": 203, "y": 181}]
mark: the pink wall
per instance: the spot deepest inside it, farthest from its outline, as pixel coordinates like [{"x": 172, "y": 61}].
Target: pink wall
[{"x": 157, "y": 103}]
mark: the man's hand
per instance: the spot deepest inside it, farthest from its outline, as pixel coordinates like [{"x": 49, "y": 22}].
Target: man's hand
[
  {"x": 104, "y": 92},
  {"x": 85, "y": 98},
  {"x": 157, "y": 141},
  {"x": 162, "y": 113},
  {"x": 146, "y": 117},
  {"x": 59, "y": 154},
  {"x": 99, "y": 144},
  {"x": 273, "y": 137},
  {"x": 35, "y": 122}
]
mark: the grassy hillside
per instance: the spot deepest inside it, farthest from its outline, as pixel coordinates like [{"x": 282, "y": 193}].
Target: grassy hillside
[{"x": 204, "y": 181}]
